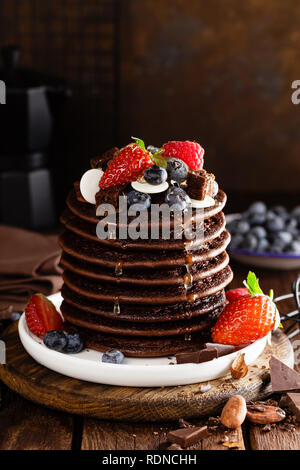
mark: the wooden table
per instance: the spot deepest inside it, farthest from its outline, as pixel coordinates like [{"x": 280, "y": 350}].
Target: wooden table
[{"x": 24, "y": 425}]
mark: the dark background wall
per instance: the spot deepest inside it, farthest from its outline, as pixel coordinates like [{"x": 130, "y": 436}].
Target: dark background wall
[{"x": 219, "y": 72}]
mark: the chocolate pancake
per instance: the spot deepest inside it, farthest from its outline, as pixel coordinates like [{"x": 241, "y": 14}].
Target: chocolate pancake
[
  {"x": 154, "y": 276},
  {"x": 87, "y": 211},
  {"x": 140, "y": 347},
  {"x": 141, "y": 313},
  {"x": 212, "y": 228},
  {"x": 151, "y": 297},
  {"x": 93, "y": 252},
  {"x": 168, "y": 294},
  {"x": 95, "y": 322}
]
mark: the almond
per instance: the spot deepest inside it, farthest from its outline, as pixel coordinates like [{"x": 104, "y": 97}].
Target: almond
[
  {"x": 234, "y": 412},
  {"x": 264, "y": 414},
  {"x": 239, "y": 367}
]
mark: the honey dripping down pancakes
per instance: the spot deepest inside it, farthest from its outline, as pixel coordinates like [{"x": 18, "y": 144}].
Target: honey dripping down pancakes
[{"x": 146, "y": 296}]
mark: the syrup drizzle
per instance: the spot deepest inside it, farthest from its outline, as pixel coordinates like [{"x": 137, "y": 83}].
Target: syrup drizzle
[
  {"x": 119, "y": 268},
  {"x": 117, "y": 309},
  {"x": 187, "y": 337}
]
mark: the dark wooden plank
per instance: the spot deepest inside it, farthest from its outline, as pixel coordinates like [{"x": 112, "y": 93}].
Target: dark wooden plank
[
  {"x": 101, "y": 435},
  {"x": 30, "y": 379},
  {"x": 276, "y": 439},
  {"x": 25, "y": 426}
]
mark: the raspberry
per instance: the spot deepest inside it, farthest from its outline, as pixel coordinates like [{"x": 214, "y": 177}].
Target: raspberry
[{"x": 190, "y": 152}]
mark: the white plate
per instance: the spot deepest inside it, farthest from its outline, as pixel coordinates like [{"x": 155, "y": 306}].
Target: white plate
[
  {"x": 134, "y": 372},
  {"x": 263, "y": 260}
]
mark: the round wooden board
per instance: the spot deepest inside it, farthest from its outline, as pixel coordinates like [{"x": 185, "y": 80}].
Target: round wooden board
[{"x": 39, "y": 384}]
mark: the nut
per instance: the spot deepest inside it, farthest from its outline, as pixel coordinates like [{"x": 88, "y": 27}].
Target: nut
[
  {"x": 239, "y": 367},
  {"x": 264, "y": 414},
  {"x": 234, "y": 412}
]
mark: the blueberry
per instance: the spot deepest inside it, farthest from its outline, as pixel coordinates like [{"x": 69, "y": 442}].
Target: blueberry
[
  {"x": 231, "y": 226},
  {"x": 294, "y": 247},
  {"x": 215, "y": 189},
  {"x": 296, "y": 212},
  {"x": 257, "y": 208},
  {"x": 242, "y": 227},
  {"x": 280, "y": 210},
  {"x": 277, "y": 248},
  {"x": 258, "y": 232},
  {"x": 291, "y": 225},
  {"x": 236, "y": 241},
  {"x": 74, "y": 344},
  {"x": 262, "y": 245},
  {"x": 152, "y": 149},
  {"x": 137, "y": 198},
  {"x": 275, "y": 224},
  {"x": 177, "y": 169},
  {"x": 270, "y": 215},
  {"x": 249, "y": 243},
  {"x": 56, "y": 340},
  {"x": 113, "y": 356},
  {"x": 257, "y": 219},
  {"x": 177, "y": 199},
  {"x": 283, "y": 238},
  {"x": 155, "y": 175}
]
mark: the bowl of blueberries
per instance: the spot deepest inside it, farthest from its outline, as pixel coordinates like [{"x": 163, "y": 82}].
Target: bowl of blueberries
[{"x": 265, "y": 237}]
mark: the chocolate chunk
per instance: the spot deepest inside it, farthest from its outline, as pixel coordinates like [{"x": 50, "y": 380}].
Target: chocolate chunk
[
  {"x": 283, "y": 378},
  {"x": 223, "y": 349},
  {"x": 101, "y": 162},
  {"x": 200, "y": 184},
  {"x": 208, "y": 354},
  {"x": 293, "y": 402},
  {"x": 187, "y": 357},
  {"x": 186, "y": 437},
  {"x": 110, "y": 195},
  {"x": 196, "y": 357}
]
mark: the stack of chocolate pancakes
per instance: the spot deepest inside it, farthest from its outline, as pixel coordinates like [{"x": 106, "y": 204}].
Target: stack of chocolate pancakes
[{"x": 143, "y": 297}]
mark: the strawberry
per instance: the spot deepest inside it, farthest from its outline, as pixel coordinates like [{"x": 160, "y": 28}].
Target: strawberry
[
  {"x": 127, "y": 165},
  {"x": 235, "y": 293},
  {"x": 190, "y": 152},
  {"x": 42, "y": 316},
  {"x": 247, "y": 318}
]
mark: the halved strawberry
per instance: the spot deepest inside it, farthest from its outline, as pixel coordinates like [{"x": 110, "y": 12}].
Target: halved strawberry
[
  {"x": 233, "y": 294},
  {"x": 42, "y": 316},
  {"x": 127, "y": 165},
  {"x": 247, "y": 318}
]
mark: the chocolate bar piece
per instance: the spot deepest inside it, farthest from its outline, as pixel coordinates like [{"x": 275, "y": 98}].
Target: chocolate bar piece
[
  {"x": 197, "y": 357},
  {"x": 283, "y": 378},
  {"x": 293, "y": 402},
  {"x": 186, "y": 437},
  {"x": 223, "y": 349},
  {"x": 187, "y": 357},
  {"x": 208, "y": 354}
]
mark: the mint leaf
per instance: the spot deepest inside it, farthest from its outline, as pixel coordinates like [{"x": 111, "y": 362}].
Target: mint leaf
[
  {"x": 252, "y": 284},
  {"x": 140, "y": 142},
  {"x": 159, "y": 160}
]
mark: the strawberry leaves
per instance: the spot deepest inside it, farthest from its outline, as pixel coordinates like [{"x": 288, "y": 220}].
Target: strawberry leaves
[
  {"x": 157, "y": 157},
  {"x": 159, "y": 160},
  {"x": 252, "y": 284},
  {"x": 139, "y": 142}
]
